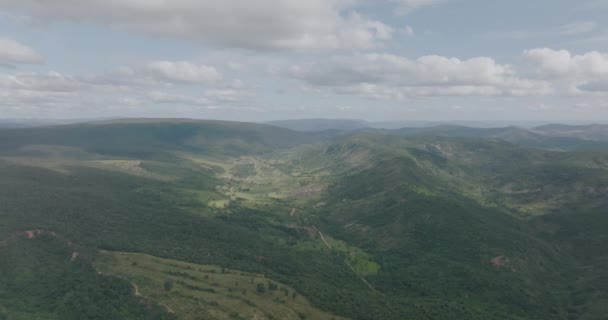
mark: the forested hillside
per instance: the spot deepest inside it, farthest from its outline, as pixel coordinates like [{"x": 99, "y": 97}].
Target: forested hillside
[{"x": 367, "y": 225}]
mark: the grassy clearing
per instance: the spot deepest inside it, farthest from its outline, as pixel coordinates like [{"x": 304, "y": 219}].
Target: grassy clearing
[
  {"x": 219, "y": 204},
  {"x": 58, "y": 166},
  {"x": 360, "y": 260},
  {"x": 255, "y": 181},
  {"x": 133, "y": 167},
  {"x": 195, "y": 291}
]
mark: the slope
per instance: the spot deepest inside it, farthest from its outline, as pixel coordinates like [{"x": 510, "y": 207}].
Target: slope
[
  {"x": 45, "y": 277},
  {"x": 366, "y": 225}
]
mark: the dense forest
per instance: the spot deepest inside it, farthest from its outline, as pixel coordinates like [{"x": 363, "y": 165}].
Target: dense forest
[{"x": 365, "y": 224}]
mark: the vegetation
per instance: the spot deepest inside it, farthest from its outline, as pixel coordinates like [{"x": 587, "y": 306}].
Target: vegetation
[
  {"x": 43, "y": 279},
  {"x": 207, "y": 291},
  {"x": 230, "y": 220}
]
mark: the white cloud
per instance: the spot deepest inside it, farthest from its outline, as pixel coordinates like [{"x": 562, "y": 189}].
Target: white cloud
[
  {"x": 408, "y": 30},
  {"x": 181, "y": 71},
  {"x": 218, "y": 96},
  {"x": 562, "y": 63},
  {"x": 577, "y": 28},
  {"x": 598, "y": 86},
  {"x": 151, "y": 74},
  {"x": 254, "y": 24},
  {"x": 398, "y": 77},
  {"x": 154, "y": 83},
  {"x": 407, "y": 6},
  {"x": 12, "y": 51},
  {"x": 162, "y": 72},
  {"x": 49, "y": 82},
  {"x": 570, "y": 29},
  {"x": 52, "y": 94},
  {"x": 578, "y": 73},
  {"x": 178, "y": 99}
]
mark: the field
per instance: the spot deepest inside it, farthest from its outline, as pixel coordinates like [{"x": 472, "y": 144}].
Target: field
[{"x": 195, "y": 291}]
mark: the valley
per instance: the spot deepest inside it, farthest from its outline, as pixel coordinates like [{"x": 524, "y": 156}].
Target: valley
[
  {"x": 360, "y": 225},
  {"x": 303, "y": 160},
  {"x": 194, "y": 291}
]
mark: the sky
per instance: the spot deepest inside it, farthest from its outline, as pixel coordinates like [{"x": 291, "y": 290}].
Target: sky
[{"x": 259, "y": 60}]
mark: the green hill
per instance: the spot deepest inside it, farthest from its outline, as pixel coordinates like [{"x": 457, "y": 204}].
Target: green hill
[
  {"x": 361, "y": 226},
  {"x": 143, "y": 138},
  {"x": 321, "y": 124},
  {"x": 561, "y": 137},
  {"x": 45, "y": 276}
]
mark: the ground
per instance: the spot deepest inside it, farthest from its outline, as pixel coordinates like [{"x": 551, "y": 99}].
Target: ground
[{"x": 207, "y": 291}]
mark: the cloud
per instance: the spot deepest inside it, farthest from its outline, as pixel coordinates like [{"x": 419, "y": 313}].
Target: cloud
[
  {"x": 213, "y": 97},
  {"x": 12, "y": 51},
  {"x": 151, "y": 74},
  {"x": 252, "y": 24},
  {"x": 578, "y": 73},
  {"x": 577, "y": 28},
  {"x": 178, "y": 99},
  {"x": 407, "y": 6},
  {"x": 53, "y": 93},
  {"x": 159, "y": 73},
  {"x": 408, "y": 30},
  {"x": 598, "y": 86},
  {"x": 179, "y": 83},
  {"x": 179, "y": 71},
  {"x": 561, "y": 63},
  {"x": 49, "y": 82},
  {"x": 570, "y": 29},
  {"x": 392, "y": 76}
]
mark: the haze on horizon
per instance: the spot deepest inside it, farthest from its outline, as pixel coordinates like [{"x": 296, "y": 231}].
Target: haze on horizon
[{"x": 260, "y": 60}]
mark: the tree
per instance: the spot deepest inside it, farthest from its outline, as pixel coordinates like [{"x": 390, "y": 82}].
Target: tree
[
  {"x": 272, "y": 286},
  {"x": 261, "y": 288},
  {"x": 168, "y": 285}
]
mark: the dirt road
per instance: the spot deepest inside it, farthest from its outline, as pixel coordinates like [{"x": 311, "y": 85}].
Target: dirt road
[
  {"x": 346, "y": 262},
  {"x": 255, "y": 170}
]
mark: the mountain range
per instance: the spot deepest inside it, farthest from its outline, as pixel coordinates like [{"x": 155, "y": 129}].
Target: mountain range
[{"x": 192, "y": 219}]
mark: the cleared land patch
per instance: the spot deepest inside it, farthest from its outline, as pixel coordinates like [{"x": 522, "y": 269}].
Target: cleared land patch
[{"x": 195, "y": 291}]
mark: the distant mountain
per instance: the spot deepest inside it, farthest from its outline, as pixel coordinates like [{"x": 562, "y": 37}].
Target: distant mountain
[
  {"x": 9, "y": 124},
  {"x": 154, "y": 137},
  {"x": 560, "y": 137},
  {"x": 347, "y": 125},
  {"x": 321, "y": 124},
  {"x": 593, "y": 132},
  {"x": 31, "y": 123},
  {"x": 468, "y": 132},
  {"x": 397, "y": 124}
]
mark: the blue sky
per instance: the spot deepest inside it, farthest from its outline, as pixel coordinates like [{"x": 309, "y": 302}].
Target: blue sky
[{"x": 255, "y": 60}]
